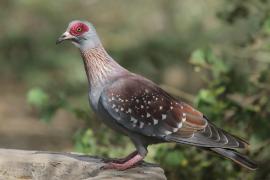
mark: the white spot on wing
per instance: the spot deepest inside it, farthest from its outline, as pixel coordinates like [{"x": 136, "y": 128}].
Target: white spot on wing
[
  {"x": 134, "y": 120},
  {"x": 160, "y": 107},
  {"x": 184, "y": 118},
  {"x": 141, "y": 125},
  {"x": 164, "y": 116},
  {"x": 148, "y": 115},
  {"x": 167, "y": 132},
  {"x": 179, "y": 125},
  {"x": 155, "y": 121},
  {"x": 175, "y": 130}
]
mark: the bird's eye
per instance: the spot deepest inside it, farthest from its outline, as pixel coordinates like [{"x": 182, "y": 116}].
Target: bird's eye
[{"x": 79, "y": 29}]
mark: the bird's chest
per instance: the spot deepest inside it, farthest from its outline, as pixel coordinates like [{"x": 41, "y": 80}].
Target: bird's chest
[{"x": 94, "y": 96}]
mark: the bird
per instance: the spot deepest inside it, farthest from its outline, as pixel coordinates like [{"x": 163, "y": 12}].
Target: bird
[{"x": 138, "y": 108}]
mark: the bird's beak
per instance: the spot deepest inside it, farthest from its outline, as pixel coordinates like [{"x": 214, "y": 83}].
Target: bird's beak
[{"x": 65, "y": 36}]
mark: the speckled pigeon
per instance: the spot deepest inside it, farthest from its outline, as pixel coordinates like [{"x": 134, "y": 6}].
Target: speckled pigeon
[{"x": 138, "y": 108}]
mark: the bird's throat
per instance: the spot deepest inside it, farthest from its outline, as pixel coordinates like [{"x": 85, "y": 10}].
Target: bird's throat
[{"x": 99, "y": 66}]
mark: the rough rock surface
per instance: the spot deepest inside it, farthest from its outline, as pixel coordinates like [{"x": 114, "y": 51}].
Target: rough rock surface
[{"x": 24, "y": 165}]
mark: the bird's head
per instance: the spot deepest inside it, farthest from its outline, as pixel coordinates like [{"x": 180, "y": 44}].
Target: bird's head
[{"x": 81, "y": 33}]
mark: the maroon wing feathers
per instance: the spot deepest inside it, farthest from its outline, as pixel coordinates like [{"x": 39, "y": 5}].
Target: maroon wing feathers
[{"x": 141, "y": 106}]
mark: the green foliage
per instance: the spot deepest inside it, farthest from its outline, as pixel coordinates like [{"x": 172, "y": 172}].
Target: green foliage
[
  {"x": 173, "y": 158},
  {"x": 45, "y": 105},
  {"x": 266, "y": 26},
  {"x": 208, "y": 60},
  {"x": 85, "y": 142},
  {"x": 37, "y": 97}
]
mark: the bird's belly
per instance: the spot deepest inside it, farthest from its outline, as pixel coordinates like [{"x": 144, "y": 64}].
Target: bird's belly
[{"x": 93, "y": 101}]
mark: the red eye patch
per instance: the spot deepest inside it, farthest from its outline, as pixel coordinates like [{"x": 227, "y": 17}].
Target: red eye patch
[{"x": 78, "y": 29}]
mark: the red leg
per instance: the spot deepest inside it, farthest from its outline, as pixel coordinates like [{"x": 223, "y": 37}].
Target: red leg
[
  {"x": 122, "y": 160},
  {"x": 126, "y": 165}
]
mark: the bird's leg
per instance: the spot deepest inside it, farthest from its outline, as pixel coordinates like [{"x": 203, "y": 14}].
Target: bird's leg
[
  {"x": 121, "y": 160},
  {"x": 125, "y": 165}
]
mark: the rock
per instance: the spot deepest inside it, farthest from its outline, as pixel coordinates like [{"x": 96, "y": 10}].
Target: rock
[{"x": 38, "y": 165}]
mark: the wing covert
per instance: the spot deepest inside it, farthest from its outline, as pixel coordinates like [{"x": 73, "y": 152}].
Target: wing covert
[{"x": 142, "y": 107}]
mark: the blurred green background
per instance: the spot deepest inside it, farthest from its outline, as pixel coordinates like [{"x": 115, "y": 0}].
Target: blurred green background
[{"x": 215, "y": 55}]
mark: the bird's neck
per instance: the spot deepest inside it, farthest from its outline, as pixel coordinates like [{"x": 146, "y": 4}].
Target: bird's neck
[{"x": 99, "y": 66}]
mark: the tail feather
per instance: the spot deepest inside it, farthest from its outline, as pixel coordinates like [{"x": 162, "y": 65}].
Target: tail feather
[{"x": 236, "y": 157}]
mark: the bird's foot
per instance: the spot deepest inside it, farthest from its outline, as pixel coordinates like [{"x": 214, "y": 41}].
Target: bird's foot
[
  {"x": 123, "y": 166},
  {"x": 121, "y": 160},
  {"x": 116, "y": 160},
  {"x": 116, "y": 166}
]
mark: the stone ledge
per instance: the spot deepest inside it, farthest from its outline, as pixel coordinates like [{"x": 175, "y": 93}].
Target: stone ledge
[{"x": 39, "y": 165}]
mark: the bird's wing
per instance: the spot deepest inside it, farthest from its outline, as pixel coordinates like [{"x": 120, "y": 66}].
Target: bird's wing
[{"x": 141, "y": 106}]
